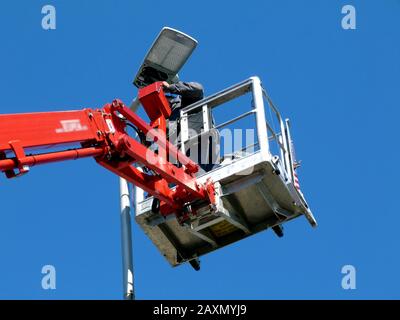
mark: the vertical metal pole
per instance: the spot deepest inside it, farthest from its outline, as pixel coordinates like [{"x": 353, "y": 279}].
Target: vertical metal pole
[
  {"x": 135, "y": 104},
  {"x": 126, "y": 241}
]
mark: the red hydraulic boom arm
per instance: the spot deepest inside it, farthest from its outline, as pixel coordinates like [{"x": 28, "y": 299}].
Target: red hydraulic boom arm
[{"x": 102, "y": 134}]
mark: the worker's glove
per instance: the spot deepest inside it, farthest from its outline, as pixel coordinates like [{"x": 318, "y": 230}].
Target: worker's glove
[{"x": 165, "y": 85}]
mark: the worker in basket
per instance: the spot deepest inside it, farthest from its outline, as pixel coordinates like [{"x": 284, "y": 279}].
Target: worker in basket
[{"x": 180, "y": 95}]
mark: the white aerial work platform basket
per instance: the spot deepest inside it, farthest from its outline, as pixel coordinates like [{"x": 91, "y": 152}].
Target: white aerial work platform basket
[{"x": 256, "y": 184}]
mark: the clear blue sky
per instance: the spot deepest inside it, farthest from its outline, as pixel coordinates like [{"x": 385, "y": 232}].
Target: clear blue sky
[{"x": 339, "y": 87}]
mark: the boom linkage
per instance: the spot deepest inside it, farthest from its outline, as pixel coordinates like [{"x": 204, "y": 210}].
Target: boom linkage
[{"x": 102, "y": 134}]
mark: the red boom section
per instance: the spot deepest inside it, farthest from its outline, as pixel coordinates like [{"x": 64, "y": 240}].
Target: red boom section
[
  {"x": 19, "y": 132},
  {"x": 47, "y": 128},
  {"x": 102, "y": 134}
]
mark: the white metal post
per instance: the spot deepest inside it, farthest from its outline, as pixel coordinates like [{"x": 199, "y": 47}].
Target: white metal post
[
  {"x": 126, "y": 241},
  {"x": 260, "y": 118}
]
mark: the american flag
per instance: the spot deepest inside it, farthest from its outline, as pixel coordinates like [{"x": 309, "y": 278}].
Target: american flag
[{"x": 296, "y": 181}]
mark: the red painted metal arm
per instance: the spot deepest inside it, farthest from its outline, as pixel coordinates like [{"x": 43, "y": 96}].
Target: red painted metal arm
[
  {"x": 23, "y": 133},
  {"x": 49, "y": 128}
]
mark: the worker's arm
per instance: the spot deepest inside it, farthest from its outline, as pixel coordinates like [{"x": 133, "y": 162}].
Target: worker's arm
[{"x": 187, "y": 90}]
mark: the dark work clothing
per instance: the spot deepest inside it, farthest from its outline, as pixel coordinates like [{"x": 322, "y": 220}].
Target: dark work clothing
[{"x": 185, "y": 93}]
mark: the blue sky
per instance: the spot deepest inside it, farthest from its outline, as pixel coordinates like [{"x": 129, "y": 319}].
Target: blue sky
[{"x": 340, "y": 88}]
